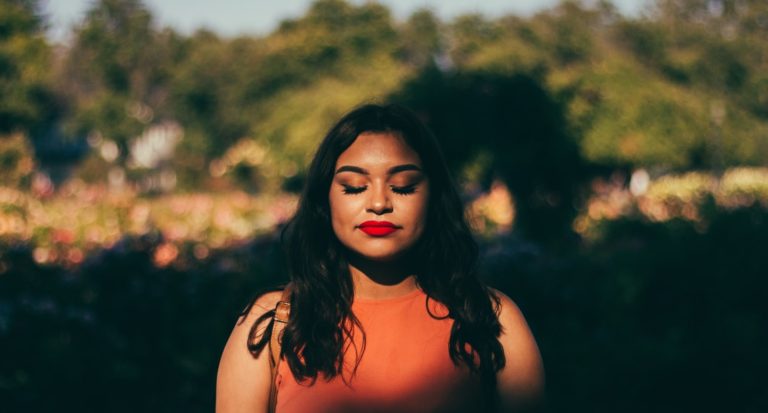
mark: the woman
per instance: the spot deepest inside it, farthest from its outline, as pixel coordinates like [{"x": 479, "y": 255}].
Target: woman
[{"x": 386, "y": 312}]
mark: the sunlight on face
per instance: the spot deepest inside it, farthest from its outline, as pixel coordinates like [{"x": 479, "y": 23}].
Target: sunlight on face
[{"x": 378, "y": 196}]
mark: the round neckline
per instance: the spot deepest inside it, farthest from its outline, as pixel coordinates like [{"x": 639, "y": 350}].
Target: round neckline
[{"x": 389, "y": 300}]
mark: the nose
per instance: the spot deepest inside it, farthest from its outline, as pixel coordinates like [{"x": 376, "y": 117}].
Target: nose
[{"x": 379, "y": 201}]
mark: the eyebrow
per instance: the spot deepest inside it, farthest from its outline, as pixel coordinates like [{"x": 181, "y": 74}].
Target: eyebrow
[{"x": 391, "y": 171}]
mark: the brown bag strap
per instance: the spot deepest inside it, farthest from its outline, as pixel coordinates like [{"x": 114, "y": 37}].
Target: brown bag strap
[{"x": 280, "y": 319}]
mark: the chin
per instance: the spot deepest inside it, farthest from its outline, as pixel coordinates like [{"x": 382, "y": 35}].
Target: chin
[
  {"x": 384, "y": 258},
  {"x": 379, "y": 256}
]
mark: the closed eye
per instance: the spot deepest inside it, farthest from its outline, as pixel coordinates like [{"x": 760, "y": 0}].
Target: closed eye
[
  {"x": 404, "y": 190},
  {"x": 401, "y": 190},
  {"x": 353, "y": 190}
]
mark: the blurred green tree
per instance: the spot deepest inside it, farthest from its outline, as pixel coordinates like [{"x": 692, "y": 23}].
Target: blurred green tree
[
  {"x": 421, "y": 39},
  {"x": 515, "y": 122},
  {"x": 116, "y": 72},
  {"x": 25, "y": 96},
  {"x": 684, "y": 86}
]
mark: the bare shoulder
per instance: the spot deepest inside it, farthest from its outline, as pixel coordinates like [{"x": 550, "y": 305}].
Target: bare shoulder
[
  {"x": 262, "y": 304},
  {"x": 508, "y": 310},
  {"x": 243, "y": 379},
  {"x": 521, "y": 381}
]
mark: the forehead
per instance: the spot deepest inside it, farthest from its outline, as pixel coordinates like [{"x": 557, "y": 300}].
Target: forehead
[{"x": 378, "y": 149}]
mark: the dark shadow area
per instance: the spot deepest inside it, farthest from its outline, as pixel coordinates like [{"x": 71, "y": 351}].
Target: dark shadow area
[
  {"x": 513, "y": 121},
  {"x": 655, "y": 317},
  {"x": 118, "y": 334}
]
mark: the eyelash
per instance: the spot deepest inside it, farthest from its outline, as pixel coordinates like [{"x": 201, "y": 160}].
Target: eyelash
[{"x": 401, "y": 190}]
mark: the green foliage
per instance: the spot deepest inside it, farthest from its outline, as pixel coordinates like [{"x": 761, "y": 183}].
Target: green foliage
[
  {"x": 115, "y": 75},
  {"x": 111, "y": 40},
  {"x": 628, "y": 116},
  {"x": 682, "y": 87},
  {"x": 20, "y": 16},
  {"x": 639, "y": 92},
  {"x": 283, "y": 90},
  {"x": 523, "y": 128},
  {"x": 16, "y": 161},
  {"x": 210, "y": 92},
  {"x": 571, "y": 34},
  {"x": 644, "y": 39},
  {"x": 333, "y": 36},
  {"x": 470, "y": 34},
  {"x": 24, "y": 60},
  {"x": 421, "y": 38}
]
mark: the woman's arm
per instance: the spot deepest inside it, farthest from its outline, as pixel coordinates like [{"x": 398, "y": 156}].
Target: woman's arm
[
  {"x": 243, "y": 381},
  {"x": 521, "y": 381}
]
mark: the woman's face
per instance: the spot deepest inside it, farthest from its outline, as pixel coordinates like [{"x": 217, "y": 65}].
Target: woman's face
[{"x": 378, "y": 196}]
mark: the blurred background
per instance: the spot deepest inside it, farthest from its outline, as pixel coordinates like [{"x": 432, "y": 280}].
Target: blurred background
[{"x": 613, "y": 159}]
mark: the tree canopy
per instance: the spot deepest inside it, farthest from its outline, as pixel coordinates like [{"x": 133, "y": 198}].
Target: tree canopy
[{"x": 683, "y": 86}]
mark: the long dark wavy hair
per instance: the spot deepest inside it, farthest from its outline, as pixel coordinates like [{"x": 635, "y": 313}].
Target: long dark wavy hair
[{"x": 321, "y": 321}]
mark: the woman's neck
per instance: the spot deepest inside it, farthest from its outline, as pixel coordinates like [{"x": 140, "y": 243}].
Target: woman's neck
[{"x": 381, "y": 280}]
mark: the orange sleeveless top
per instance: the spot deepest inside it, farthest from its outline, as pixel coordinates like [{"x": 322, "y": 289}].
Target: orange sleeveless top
[{"x": 405, "y": 366}]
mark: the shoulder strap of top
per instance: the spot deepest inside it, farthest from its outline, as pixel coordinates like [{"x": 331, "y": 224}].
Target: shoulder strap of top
[{"x": 279, "y": 320}]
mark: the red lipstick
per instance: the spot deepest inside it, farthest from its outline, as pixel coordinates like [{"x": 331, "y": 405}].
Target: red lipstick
[{"x": 378, "y": 228}]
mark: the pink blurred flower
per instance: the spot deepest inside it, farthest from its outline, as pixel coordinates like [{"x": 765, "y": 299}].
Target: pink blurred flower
[{"x": 165, "y": 254}]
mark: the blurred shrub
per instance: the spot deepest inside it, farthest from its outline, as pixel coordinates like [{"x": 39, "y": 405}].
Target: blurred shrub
[
  {"x": 16, "y": 161},
  {"x": 82, "y": 219},
  {"x": 652, "y": 316},
  {"x": 743, "y": 187},
  {"x": 119, "y": 333},
  {"x": 676, "y": 196},
  {"x": 688, "y": 196}
]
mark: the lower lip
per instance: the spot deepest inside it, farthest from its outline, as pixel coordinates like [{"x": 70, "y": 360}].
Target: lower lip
[{"x": 378, "y": 231}]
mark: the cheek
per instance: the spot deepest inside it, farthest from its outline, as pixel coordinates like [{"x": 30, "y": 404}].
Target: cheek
[
  {"x": 420, "y": 214},
  {"x": 342, "y": 212}
]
